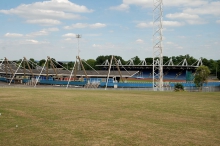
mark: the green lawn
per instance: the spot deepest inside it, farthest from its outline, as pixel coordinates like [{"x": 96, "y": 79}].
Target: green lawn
[{"x": 46, "y": 117}]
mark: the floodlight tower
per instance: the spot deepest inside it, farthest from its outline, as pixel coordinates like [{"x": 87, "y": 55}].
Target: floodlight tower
[
  {"x": 78, "y": 36},
  {"x": 157, "y": 45}
]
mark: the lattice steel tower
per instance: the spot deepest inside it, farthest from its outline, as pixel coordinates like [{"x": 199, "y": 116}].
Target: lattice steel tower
[{"x": 157, "y": 45}]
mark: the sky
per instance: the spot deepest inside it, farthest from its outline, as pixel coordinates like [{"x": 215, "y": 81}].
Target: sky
[{"x": 37, "y": 29}]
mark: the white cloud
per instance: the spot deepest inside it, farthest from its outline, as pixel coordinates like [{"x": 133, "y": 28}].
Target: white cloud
[
  {"x": 52, "y": 29},
  {"x": 85, "y": 25},
  {"x": 209, "y": 9},
  {"x": 13, "y": 35},
  {"x": 169, "y": 43},
  {"x": 77, "y": 25},
  {"x": 97, "y": 25},
  {"x": 140, "y": 41},
  {"x": 38, "y": 33},
  {"x": 185, "y": 3},
  {"x": 144, "y": 25},
  {"x": 45, "y": 22},
  {"x": 165, "y": 23},
  {"x": 172, "y": 45},
  {"x": 218, "y": 21},
  {"x": 96, "y": 46},
  {"x": 68, "y": 39},
  {"x": 193, "y": 22},
  {"x": 172, "y": 23},
  {"x": 32, "y": 41},
  {"x": 182, "y": 16},
  {"x": 93, "y": 35},
  {"x": 48, "y": 12},
  {"x": 43, "y": 32},
  {"x": 104, "y": 46},
  {"x": 189, "y": 18},
  {"x": 149, "y": 3},
  {"x": 121, "y": 7},
  {"x": 69, "y": 35}
]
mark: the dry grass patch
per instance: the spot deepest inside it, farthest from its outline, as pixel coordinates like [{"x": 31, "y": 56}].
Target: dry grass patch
[{"x": 82, "y": 117}]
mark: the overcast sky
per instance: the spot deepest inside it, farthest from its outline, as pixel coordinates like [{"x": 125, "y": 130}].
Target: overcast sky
[{"x": 37, "y": 29}]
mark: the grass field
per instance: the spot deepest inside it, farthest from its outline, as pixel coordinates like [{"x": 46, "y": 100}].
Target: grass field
[{"x": 46, "y": 117}]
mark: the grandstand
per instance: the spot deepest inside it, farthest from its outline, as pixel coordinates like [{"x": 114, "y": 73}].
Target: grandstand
[
  {"x": 113, "y": 75},
  {"x": 177, "y": 72}
]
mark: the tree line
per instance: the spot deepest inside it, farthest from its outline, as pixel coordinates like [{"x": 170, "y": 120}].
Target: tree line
[{"x": 213, "y": 65}]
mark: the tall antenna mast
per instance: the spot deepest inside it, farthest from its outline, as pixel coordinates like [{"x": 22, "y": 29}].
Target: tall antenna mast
[
  {"x": 157, "y": 45},
  {"x": 78, "y": 36}
]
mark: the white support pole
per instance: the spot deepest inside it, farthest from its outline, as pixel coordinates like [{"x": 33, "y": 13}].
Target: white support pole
[
  {"x": 40, "y": 73},
  {"x": 109, "y": 72},
  {"x": 16, "y": 72},
  {"x": 71, "y": 75}
]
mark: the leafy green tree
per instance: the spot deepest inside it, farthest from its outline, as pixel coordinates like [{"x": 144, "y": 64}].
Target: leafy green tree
[
  {"x": 70, "y": 65},
  {"x": 205, "y": 61},
  {"x": 218, "y": 69},
  {"x": 201, "y": 76},
  {"x": 165, "y": 59},
  {"x": 212, "y": 66},
  {"x": 149, "y": 61},
  {"x": 19, "y": 61},
  {"x": 41, "y": 62},
  {"x": 136, "y": 60},
  {"x": 190, "y": 59},
  {"x": 32, "y": 65},
  {"x": 178, "y": 87},
  {"x": 122, "y": 60},
  {"x": 91, "y": 62},
  {"x": 178, "y": 59},
  {"x": 102, "y": 59}
]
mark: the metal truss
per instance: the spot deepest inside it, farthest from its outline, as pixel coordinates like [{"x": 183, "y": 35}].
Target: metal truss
[
  {"x": 157, "y": 46},
  {"x": 169, "y": 63}
]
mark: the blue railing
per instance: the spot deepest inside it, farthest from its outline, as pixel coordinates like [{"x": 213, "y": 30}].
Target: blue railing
[
  {"x": 56, "y": 82},
  {"x": 50, "y": 81}
]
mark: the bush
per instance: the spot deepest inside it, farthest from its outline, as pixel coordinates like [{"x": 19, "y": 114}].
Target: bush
[{"x": 178, "y": 87}]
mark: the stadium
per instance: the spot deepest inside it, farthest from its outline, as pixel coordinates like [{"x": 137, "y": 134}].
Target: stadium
[
  {"x": 109, "y": 101},
  {"x": 111, "y": 74}
]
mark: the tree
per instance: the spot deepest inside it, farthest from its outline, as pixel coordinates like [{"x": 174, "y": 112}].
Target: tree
[
  {"x": 122, "y": 60},
  {"x": 42, "y": 62},
  {"x": 165, "y": 59},
  {"x": 218, "y": 69},
  {"x": 33, "y": 63},
  {"x": 201, "y": 76},
  {"x": 190, "y": 59},
  {"x": 70, "y": 65},
  {"x": 91, "y": 62},
  {"x": 178, "y": 87},
  {"x": 149, "y": 60},
  {"x": 136, "y": 60},
  {"x": 102, "y": 59}
]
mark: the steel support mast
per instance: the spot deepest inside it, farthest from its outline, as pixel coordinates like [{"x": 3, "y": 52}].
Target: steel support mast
[
  {"x": 157, "y": 45},
  {"x": 78, "y": 36}
]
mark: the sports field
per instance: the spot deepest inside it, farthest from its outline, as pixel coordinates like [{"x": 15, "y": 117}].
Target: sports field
[{"x": 47, "y": 117}]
